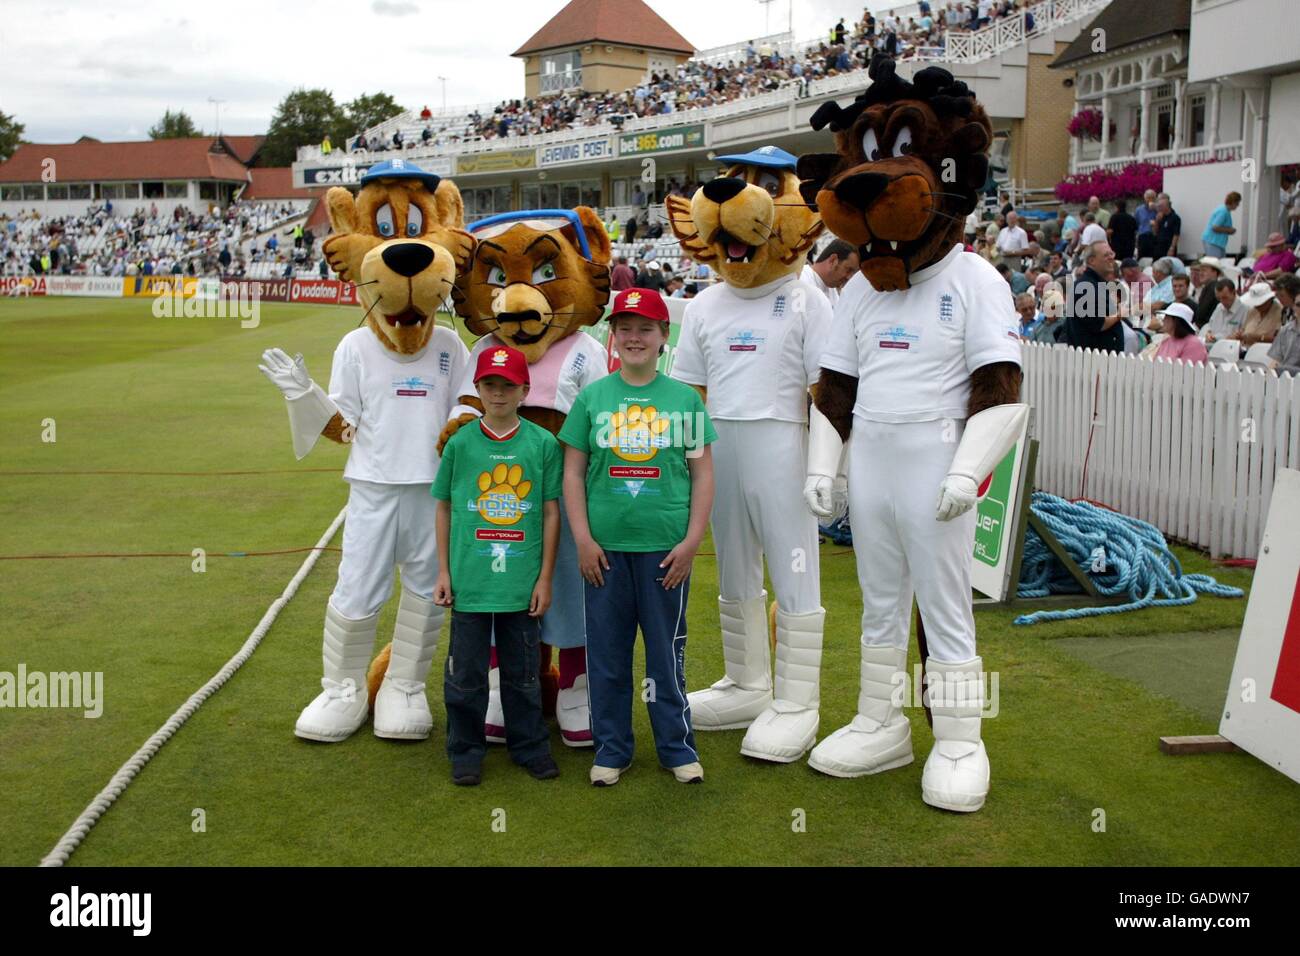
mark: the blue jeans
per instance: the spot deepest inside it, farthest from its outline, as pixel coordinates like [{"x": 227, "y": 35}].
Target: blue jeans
[
  {"x": 1212, "y": 250},
  {"x": 634, "y": 594},
  {"x": 465, "y": 686}
]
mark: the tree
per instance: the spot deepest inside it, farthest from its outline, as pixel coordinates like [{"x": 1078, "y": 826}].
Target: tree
[
  {"x": 11, "y": 132},
  {"x": 176, "y": 125},
  {"x": 303, "y": 117},
  {"x": 367, "y": 111}
]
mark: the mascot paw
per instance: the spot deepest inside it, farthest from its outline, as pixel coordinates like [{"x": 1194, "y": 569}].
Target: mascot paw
[
  {"x": 818, "y": 493},
  {"x": 452, "y": 427},
  {"x": 957, "y": 495}
]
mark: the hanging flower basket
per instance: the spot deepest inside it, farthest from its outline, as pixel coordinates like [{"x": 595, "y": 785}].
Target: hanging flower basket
[{"x": 1085, "y": 124}]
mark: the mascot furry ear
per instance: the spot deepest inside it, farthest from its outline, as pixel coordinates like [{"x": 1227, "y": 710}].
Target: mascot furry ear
[{"x": 910, "y": 158}]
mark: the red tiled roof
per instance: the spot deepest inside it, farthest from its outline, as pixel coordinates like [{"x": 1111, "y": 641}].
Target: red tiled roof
[
  {"x": 626, "y": 22},
  {"x": 275, "y": 182},
  {"x": 91, "y": 161},
  {"x": 244, "y": 147}
]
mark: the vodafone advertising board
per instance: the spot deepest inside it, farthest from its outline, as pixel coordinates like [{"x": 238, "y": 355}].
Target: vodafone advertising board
[{"x": 314, "y": 290}]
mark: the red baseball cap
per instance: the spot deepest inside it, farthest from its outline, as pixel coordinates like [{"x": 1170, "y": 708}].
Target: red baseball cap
[
  {"x": 502, "y": 360},
  {"x": 646, "y": 303}
]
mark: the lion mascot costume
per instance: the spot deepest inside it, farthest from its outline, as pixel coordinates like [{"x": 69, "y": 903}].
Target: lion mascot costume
[
  {"x": 922, "y": 366},
  {"x": 751, "y": 345},
  {"x": 537, "y": 279},
  {"x": 393, "y": 383}
]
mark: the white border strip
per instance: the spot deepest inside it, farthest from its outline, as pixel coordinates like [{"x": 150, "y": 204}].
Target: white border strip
[{"x": 127, "y": 772}]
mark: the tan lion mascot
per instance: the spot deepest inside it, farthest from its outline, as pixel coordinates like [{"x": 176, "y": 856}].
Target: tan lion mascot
[
  {"x": 751, "y": 344},
  {"x": 393, "y": 383}
]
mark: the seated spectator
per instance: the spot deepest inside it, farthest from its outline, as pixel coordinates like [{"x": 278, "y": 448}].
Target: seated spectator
[
  {"x": 1284, "y": 356},
  {"x": 1264, "y": 318},
  {"x": 1050, "y": 329},
  {"x": 1229, "y": 315},
  {"x": 1277, "y": 260},
  {"x": 1016, "y": 280},
  {"x": 1211, "y": 271},
  {"x": 1182, "y": 286},
  {"x": 1162, "y": 293},
  {"x": 1093, "y": 231},
  {"x": 1028, "y": 312},
  {"x": 1182, "y": 342}
]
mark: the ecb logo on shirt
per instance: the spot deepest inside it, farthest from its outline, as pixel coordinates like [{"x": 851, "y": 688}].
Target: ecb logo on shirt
[
  {"x": 778, "y": 307},
  {"x": 502, "y": 494},
  {"x": 945, "y": 308},
  {"x": 413, "y": 387},
  {"x": 746, "y": 341},
  {"x": 444, "y": 363}
]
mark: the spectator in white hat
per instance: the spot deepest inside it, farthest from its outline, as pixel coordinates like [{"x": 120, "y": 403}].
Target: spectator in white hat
[
  {"x": 1264, "y": 318},
  {"x": 1181, "y": 342}
]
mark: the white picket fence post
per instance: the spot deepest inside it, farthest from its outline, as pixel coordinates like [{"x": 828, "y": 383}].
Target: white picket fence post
[{"x": 1192, "y": 449}]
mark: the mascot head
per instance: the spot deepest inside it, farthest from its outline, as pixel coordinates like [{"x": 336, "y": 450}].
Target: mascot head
[
  {"x": 751, "y": 225},
  {"x": 910, "y": 159},
  {"x": 536, "y": 277},
  {"x": 402, "y": 241}
]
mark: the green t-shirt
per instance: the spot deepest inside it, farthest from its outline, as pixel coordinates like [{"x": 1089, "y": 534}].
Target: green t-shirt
[
  {"x": 496, "y": 488},
  {"x": 636, "y": 438}
]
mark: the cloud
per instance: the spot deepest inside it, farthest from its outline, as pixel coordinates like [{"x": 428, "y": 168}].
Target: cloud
[{"x": 386, "y": 9}]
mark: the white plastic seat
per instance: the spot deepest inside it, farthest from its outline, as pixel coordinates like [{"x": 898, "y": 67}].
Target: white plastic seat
[
  {"x": 1225, "y": 352},
  {"x": 1257, "y": 354}
]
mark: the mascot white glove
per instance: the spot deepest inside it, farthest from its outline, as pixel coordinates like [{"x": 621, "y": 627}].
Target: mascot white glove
[
  {"x": 289, "y": 375},
  {"x": 988, "y": 437},
  {"x": 825, "y": 449},
  {"x": 310, "y": 409}
]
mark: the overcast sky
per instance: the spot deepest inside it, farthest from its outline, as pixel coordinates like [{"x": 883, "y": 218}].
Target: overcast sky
[{"x": 109, "y": 69}]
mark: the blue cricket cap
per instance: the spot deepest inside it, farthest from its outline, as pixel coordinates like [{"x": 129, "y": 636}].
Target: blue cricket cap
[
  {"x": 400, "y": 169},
  {"x": 773, "y": 157}
]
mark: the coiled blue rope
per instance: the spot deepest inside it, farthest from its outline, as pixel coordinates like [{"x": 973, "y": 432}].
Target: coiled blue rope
[{"x": 1121, "y": 554}]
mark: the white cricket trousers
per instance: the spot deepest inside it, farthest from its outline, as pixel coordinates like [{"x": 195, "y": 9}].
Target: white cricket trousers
[
  {"x": 894, "y": 475},
  {"x": 387, "y": 526},
  {"x": 758, "y": 510}
]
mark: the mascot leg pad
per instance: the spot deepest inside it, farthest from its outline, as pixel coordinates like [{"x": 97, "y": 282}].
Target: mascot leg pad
[
  {"x": 879, "y": 737},
  {"x": 956, "y": 774},
  {"x": 342, "y": 706},
  {"x": 746, "y": 690},
  {"x": 572, "y": 708},
  {"x": 401, "y": 706},
  {"x": 787, "y": 729}
]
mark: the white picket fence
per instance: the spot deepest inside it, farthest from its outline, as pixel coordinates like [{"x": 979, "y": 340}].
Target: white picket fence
[{"x": 1192, "y": 449}]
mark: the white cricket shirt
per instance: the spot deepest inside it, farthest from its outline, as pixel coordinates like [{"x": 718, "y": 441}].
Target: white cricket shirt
[
  {"x": 756, "y": 350},
  {"x": 397, "y": 403},
  {"x": 913, "y": 351}
]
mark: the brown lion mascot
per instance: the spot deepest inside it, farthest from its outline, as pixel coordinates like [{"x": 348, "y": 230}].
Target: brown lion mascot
[
  {"x": 393, "y": 383},
  {"x": 537, "y": 280},
  {"x": 922, "y": 367},
  {"x": 751, "y": 345}
]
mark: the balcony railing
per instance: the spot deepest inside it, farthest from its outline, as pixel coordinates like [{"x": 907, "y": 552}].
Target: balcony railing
[{"x": 1187, "y": 156}]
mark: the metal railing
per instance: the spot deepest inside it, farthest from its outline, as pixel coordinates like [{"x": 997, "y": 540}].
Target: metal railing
[
  {"x": 1009, "y": 32},
  {"x": 1187, "y": 156},
  {"x": 556, "y": 82}
]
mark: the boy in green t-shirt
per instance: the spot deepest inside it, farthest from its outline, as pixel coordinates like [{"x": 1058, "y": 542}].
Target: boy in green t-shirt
[
  {"x": 638, "y": 486},
  {"x": 498, "y": 526}
]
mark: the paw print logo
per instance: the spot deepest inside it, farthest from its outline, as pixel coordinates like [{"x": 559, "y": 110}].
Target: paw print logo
[
  {"x": 501, "y": 494},
  {"x": 637, "y": 434}
]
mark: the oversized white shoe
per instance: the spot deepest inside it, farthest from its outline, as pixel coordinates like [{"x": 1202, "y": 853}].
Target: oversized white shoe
[
  {"x": 573, "y": 713},
  {"x": 341, "y": 707},
  {"x": 746, "y": 691},
  {"x": 956, "y": 774},
  {"x": 401, "y": 705},
  {"x": 402, "y": 710},
  {"x": 786, "y": 730},
  {"x": 336, "y": 714},
  {"x": 879, "y": 738},
  {"x": 494, "y": 724}
]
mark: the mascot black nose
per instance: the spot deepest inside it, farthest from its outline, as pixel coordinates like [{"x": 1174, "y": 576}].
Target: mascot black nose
[
  {"x": 407, "y": 258},
  {"x": 723, "y": 188},
  {"x": 860, "y": 189}
]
